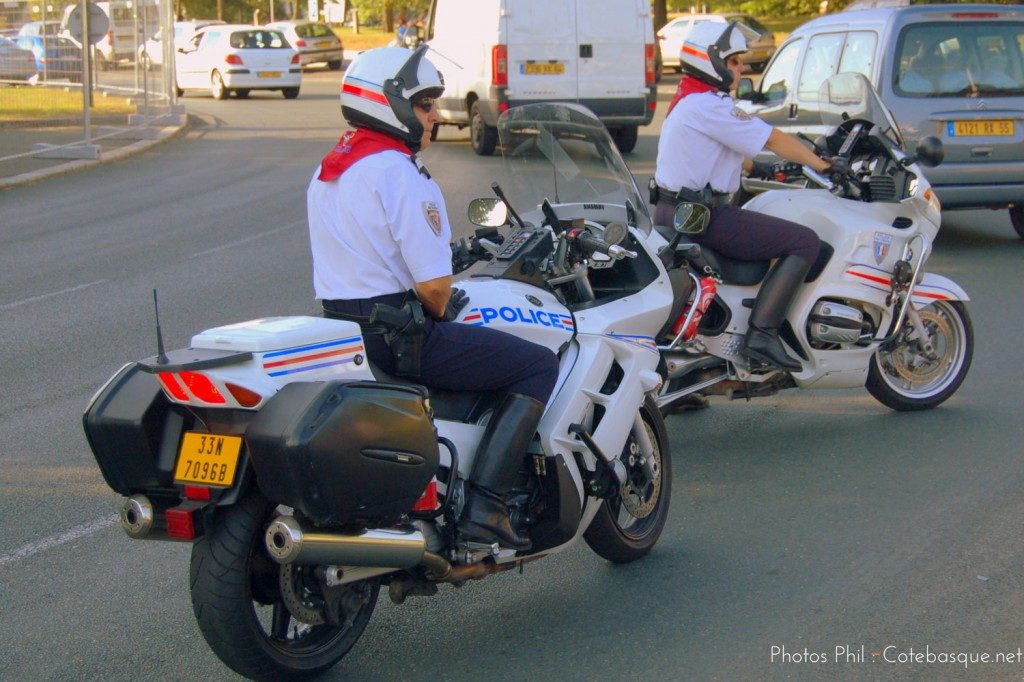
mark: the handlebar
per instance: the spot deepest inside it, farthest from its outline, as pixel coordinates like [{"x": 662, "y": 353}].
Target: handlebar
[{"x": 591, "y": 244}]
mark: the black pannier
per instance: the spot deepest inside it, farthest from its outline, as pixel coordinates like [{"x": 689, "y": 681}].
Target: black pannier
[
  {"x": 133, "y": 432},
  {"x": 344, "y": 453}
]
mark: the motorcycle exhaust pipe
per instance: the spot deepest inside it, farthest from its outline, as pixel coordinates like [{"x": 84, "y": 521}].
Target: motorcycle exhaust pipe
[
  {"x": 137, "y": 516},
  {"x": 287, "y": 542}
]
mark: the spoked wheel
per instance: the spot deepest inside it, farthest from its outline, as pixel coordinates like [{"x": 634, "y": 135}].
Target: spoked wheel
[
  {"x": 266, "y": 621},
  {"x": 909, "y": 376},
  {"x": 628, "y": 525}
]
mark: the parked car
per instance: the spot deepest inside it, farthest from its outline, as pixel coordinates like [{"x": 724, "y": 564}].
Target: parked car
[
  {"x": 672, "y": 35},
  {"x": 953, "y": 71},
  {"x": 237, "y": 59},
  {"x": 40, "y": 28},
  {"x": 151, "y": 52},
  {"x": 316, "y": 42},
  {"x": 56, "y": 57},
  {"x": 16, "y": 64}
]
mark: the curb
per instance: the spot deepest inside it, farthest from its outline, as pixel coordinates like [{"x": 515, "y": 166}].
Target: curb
[{"x": 164, "y": 134}]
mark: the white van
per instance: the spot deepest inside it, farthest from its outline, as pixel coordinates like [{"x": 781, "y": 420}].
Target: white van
[
  {"x": 126, "y": 21},
  {"x": 496, "y": 54}
]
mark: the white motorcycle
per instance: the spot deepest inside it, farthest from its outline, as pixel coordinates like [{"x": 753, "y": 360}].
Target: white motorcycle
[
  {"x": 307, "y": 479},
  {"x": 868, "y": 313}
]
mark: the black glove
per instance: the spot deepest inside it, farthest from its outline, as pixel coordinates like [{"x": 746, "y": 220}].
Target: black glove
[
  {"x": 762, "y": 170},
  {"x": 456, "y": 302},
  {"x": 838, "y": 166}
]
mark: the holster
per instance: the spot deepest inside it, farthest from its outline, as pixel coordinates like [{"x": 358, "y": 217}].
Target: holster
[
  {"x": 405, "y": 332},
  {"x": 706, "y": 196}
]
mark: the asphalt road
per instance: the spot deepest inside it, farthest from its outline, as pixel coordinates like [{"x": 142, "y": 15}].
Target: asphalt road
[{"x": 804, "y": 522}]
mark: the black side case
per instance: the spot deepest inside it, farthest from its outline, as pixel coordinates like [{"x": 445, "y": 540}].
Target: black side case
[
  {"x": 344, "y": 453},
  {"x": 133, "y": 432}
]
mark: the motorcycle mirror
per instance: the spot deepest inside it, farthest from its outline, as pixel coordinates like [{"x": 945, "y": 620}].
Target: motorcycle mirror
[
  {"x": 691, "y": 218},
  {"x": 488, "y": 212},
  {"x": 614, "y": 233},
  {"x": 929, "y": 152}
]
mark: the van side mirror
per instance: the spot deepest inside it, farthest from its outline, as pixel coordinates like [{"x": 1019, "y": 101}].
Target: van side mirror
[{"x": 929, "y": 152}]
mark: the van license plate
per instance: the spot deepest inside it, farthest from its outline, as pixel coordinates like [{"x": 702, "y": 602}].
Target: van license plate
[
  {"x": 978, "y": 128},
  {"x": 542, "y": 69},
  {"x": 270, "y": 74},
  {"x": 208, "y": 459}
]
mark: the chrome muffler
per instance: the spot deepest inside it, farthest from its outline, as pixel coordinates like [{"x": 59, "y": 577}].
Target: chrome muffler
[
  {"x": 137, "y": 516},
  {"x": 287, "y": 542}
]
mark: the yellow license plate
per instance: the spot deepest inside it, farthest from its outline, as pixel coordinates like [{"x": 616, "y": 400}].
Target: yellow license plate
[
  {"x": 542, "y": 69},
  {"x": 323, "y": 43},
  {"x": 270, "y": 74},
  {"x": 207, "y": 459},
  {"x": 980, "y": 128}
]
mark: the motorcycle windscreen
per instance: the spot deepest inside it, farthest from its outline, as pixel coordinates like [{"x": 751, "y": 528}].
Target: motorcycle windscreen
[{"x": 563, "y": 153}]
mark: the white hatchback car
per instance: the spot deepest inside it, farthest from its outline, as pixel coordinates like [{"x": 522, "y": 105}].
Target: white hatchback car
[
  {"x": 315, "y": 42},
  {"x": 236, "y": 58}
]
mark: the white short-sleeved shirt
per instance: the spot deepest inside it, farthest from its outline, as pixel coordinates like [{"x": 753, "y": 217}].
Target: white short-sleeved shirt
[
  {"x": 378, "y": 229},
  {"x": 705, "y": 140}
]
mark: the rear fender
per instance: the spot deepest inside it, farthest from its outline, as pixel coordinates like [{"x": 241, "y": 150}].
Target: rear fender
[{"x": 937, "y": 288}]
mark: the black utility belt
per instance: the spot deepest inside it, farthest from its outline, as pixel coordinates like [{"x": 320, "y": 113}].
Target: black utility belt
[{"x": 706, "y": 197}]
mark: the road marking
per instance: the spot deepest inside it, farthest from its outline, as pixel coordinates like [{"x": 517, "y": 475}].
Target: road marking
[
  {"x": 254, "y": 237},
  {"x": 35, "y": 299},
  {"x": 67, "y": 536}
]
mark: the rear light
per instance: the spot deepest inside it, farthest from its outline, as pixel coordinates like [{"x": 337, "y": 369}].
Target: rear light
[
  {"x": 300, "y": 43},
  {"x": 503, "y": 107},
  {"x": 428, "y": 500},
  {"x": 499, "y": 65},
  {"x": 295, "y": 58},
  {"x": 650, "y": 64},
  {"x": 172, "y": 386},
  {"x": 243, "y": 395},
  {"x": 233, "y": 59},
  {"x": 201, "y": 387},
  {"x": 197, "y": 492},
  {"x": 181, "y": 523}
]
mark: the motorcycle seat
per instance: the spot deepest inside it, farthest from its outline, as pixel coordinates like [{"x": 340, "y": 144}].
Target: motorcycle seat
[
  {"x": 732, "y": 271},
  {"x": 456, "y": 406}
]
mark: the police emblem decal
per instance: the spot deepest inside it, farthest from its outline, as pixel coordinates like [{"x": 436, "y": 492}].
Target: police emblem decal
[
  {"x": 433, "y": 213},
  {"x": 882, "y": 243}
]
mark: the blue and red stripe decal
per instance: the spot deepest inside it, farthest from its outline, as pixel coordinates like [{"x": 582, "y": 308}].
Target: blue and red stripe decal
[{"x": 321, "y": 355}]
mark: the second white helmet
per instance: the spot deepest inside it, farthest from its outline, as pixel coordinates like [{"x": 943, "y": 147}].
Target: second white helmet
[
  {"x": 379, "y": 89},
  {"x": 706, "y": 49}
]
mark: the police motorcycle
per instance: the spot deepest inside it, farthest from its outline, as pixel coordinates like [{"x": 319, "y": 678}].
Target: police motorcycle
[
  {"x": 307, "y": 480},
  {"x": 868, "y": 313}
]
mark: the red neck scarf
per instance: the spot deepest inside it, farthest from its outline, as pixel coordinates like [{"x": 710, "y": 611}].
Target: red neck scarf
[
  {"x": 689, "y": 86},
  {"x": 353, "y": 146}
]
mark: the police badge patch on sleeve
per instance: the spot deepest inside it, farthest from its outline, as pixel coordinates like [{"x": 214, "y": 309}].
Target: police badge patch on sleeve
[
  {"x": 433, "y": 213},
  {"x": 740, "y": 114}
]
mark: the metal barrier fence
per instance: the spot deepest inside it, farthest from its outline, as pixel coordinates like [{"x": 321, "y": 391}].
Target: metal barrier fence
[{"x": 51, "y": 79}]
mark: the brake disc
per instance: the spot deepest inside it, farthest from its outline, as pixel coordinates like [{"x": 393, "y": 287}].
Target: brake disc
[
  {"x": 913, "y": 366},
  {"x": 638, "y": 483},
  {"x": 300, "y": 602}
]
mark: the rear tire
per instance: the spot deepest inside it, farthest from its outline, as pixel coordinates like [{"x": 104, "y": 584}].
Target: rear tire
[
  {"x": 625, "y": 138},
  {"x": 290, "y": 93},
  {"x": 217, "y": 87},
  {"x": 903, "y": 379},
  {"x": 1017, "y": 220},
  {"x": 242, "y": 93},
  {"x": 334, "y": 66},
  {"x": 482, "y": 137},
  {"x": 618, "y": 535},
  {"x": 234, "y": 582}
]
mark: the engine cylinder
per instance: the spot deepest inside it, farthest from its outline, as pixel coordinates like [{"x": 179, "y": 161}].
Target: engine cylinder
[{"x": 832, "y": 322}]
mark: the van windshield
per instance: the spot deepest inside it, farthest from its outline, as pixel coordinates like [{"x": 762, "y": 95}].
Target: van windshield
[{"x": 949, "y": 59}]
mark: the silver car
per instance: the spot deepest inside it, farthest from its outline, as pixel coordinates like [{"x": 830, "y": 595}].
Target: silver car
[
  {"x": 953, "y": 71},
  {"x": 315, "y": 42}
]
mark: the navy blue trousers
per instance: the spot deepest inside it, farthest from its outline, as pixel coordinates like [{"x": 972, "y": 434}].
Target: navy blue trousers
[
  {"x": 458, "y": 357},
  {"x": 748, "y": 235}
]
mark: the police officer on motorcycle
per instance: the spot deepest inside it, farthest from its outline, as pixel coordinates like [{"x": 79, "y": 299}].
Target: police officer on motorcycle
[
  {"x": 706, "y": 143},
  {"x": 379, "y": 234}
]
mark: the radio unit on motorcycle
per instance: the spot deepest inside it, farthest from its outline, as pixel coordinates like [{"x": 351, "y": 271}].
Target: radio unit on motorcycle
[{"x": 520, "y": 257}]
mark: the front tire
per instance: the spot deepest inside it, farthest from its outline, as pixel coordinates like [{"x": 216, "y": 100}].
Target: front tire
[
  {"x": 628, "y": 525},
  {"x": 238, "y": 604},
  {"x": 1017, "y": 220},
  {"x": 334, "y": 65},
  {"x": 905, "y": 379},
  {"x": 483, "y": 137},
  {"x": 290, "y": 93}
]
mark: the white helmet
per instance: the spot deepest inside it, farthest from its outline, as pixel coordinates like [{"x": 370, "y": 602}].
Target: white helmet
[
  {"x": 379, "y": 88},
  {"x": 707, "y": 47}
]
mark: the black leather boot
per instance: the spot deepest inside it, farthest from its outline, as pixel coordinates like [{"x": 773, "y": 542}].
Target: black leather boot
[
  {"x": 762, "y": 346},
  {"x": 485, "y": 517}
]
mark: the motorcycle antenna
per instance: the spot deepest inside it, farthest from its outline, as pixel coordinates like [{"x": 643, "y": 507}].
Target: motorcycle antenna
[{"x": 161, "y": 356}]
